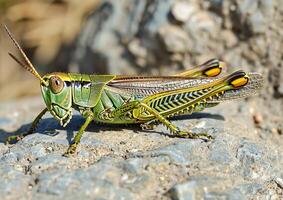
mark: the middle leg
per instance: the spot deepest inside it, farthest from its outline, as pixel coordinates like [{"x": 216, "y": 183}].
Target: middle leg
[{"x": 73, "y": 147}]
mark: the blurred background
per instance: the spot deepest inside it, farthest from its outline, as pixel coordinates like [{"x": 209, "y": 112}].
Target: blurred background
[{"x": 151, "y": 37}]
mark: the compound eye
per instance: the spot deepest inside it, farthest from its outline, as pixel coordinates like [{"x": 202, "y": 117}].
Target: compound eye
[{"x": 56, "y": 84}]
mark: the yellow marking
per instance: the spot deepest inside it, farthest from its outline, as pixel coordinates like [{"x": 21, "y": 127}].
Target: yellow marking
[
  {"x": 240, "y": 82},
  {"x": 213, "y": 72},
  {"x": 62, "y": 76}
]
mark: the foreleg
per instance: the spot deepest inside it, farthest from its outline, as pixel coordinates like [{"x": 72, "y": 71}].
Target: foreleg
[{"x": 30, "y": 131}]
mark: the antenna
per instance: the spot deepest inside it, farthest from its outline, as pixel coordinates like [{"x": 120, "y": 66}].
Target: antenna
[{"x": 27, "y": 64}]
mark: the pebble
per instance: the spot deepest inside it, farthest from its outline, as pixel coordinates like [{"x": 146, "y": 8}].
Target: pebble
[
  {"x": 138, "y": 51},
  {"x": 182, "y": 10},
  {"x": 258, "y": 119},
  {"x": 136, "y": 48},
  {"x": 279, "y": 181},
  {"x": 185, "y": 191}
]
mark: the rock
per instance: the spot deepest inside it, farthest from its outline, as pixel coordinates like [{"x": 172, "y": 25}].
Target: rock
[
  {"x": 125, "y": 162},
  {"x": 48, "y": 162},
  {"x": 280, "y": 89},
  {"x": 254, "y": 166},
  {"x": 179, "y": 153},
  {"x": 182, "y": 10},
  {"x": 10, "y": 157},
  {"x": 3, "y": 148},
  {"x": 185, "y": 191},
  {"x": 100, "y": 181},
  {"x": 138, "y": 51},
  {"x": 219, "y": 152},
  {"x": 229, "y": 38},
  {"x": 256, "y": 16},
  {"x": 257, "y": 22},
  {"x": 258, "y": 119},
  {"x": 235, "y": 194},
  {"x": 14, "y": 184},
  {"x": 249, "y": 189},
  {"x": 216, "y": 3},
  {"x": 174, "y": 38},
  {"x": 279, "y": 181},
  {"x": 38, "y": 151}
]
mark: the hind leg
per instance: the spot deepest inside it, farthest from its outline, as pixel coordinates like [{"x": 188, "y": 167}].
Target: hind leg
[{"x": 174, "y": 129}]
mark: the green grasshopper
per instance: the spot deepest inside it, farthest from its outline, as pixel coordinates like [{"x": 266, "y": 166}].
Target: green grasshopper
[{"x": 116, "y": 99}]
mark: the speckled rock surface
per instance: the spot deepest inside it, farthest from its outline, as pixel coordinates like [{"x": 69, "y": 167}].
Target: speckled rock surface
[{"x": 123, "y": 162}]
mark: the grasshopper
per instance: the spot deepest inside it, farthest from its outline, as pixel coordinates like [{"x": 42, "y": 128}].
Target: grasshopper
[{"x": 118, "y": 99}]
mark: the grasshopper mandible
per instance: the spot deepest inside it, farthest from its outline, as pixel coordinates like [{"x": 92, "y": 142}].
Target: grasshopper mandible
[{"x": 143, "y": 100}]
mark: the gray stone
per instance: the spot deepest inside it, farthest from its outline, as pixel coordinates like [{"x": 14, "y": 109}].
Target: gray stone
[
  {"x": 179, "y": 153},
  {"x": 14, "y": 184},
  {"x": 257, "y": 22},
  {"x": 182, "y": 10},
  {"x": 38, "y": 151},
  {"x": 280, "y": 89},
  {"x": 140, "y": 52},
  {"x": 279, "y": 181},
  {"x": 247, "y": 6},
  {"x": 258, "y": 44},
  {"x": 134, "y": 165},
  {"x": 235, "y": 195},
  {"x": 220, "y": 153},
  {"x": 98, "y": 181},
  {"x": 253, "y": 163},
  {"x": 48, "y": 162},
  {"x": 216, "y": 3},
  {"x": 229, "y": 38},
  {"x": 175, "y": 39},
  {"x": 232, "y": 195},
  {"x": 185, "y": 191},
  {"x": 249, "y": 189},
  {"x": 3, "y": 148},
  {"x": 10, "y": 157}
]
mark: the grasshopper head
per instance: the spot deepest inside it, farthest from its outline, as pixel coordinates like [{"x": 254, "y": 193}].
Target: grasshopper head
[
  {"x": 57, "y": 95},
  {"x": 55, "y": 89}
]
